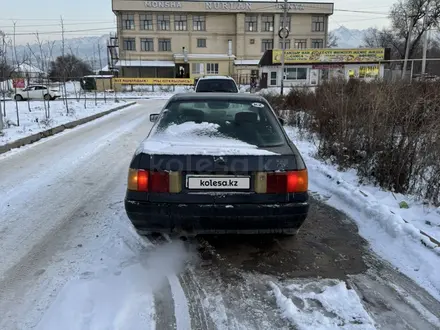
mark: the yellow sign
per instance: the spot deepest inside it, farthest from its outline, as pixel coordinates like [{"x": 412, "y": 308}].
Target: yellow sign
[
  {"x": 368, "y": 71},
  {"x": 329, "y": 55},
  {"x": 153, "y": 81}
]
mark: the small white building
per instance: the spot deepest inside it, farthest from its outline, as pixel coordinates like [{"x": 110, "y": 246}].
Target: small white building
[{"x": 309, "y": 67}]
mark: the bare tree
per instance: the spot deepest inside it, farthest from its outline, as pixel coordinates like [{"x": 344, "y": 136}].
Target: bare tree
[
  {"x": 64, "y": 73},
  {"x": 406, "y": 16},
  {"x": 332, "y": 40},
  {"x": 17, "y": 67},
  {"x": 42, "y": 62}
]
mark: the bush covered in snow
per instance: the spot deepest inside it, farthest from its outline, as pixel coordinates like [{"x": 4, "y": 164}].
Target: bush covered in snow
[{"x": 389, "y": 132}]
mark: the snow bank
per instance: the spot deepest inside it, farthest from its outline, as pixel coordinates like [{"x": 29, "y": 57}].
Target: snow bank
[
  {"x": 33, "y": 121},
  {"x": 197, "y": 139},
  {"x": 382, "y": 225},
  {"x": 322, "y": 307}
]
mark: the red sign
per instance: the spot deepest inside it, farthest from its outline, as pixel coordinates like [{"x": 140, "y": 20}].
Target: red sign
[{"x": 18, "y": 83}]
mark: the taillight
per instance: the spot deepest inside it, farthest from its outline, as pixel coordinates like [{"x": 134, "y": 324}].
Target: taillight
[
  {"x": 287, "y": 182},
  {"x": 149, "y": 181},
  {"x": 142, "y": 180}
]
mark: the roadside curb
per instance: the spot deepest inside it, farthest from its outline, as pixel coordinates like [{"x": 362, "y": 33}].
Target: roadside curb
[{"x": 58, "y": 129}]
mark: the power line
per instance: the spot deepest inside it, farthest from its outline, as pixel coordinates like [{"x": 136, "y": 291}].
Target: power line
[{"x": 59, "y": 31}]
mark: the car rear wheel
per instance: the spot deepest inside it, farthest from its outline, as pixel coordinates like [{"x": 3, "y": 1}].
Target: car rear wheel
[
  {"x": 47, "y": 97},
  {"x": 18, "y": 97}
]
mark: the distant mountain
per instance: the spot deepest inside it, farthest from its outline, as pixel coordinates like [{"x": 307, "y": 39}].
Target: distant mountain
[
  {"x": 87, "y": 47},
  {"x": 350, "y": 38}
]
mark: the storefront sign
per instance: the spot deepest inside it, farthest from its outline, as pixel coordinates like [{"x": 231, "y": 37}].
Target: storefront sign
[
  {"x": 232, "y": 6},
  {"x": 153, "y": 81},
  {"x": 328, "y": 55},
  {"x": 163, "y": 4},
  {"x": 369, "y": 71},
  {"x": 291, "y": 6}
]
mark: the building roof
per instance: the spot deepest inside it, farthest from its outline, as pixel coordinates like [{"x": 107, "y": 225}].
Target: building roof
[
  {"x": 246, "y": 62},
  {"x": 24, "y": 67},
  {"x": 143, "y": 63}
]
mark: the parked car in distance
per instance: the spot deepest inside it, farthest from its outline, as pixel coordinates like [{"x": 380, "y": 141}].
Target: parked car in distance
[
  {"x": 37, "y": 92},
  {"x": 216, "y": 84},
  {"x": 217, "y": 163}
]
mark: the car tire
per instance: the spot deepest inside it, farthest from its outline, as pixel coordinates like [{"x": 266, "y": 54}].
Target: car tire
[
  {"x": 18, "y": 97},
  {"x": 47, "y": 97}
]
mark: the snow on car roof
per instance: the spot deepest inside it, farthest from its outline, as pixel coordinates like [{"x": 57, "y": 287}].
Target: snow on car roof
[{"x": 216, "y": 77}]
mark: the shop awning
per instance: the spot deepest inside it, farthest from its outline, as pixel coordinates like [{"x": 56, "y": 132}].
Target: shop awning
[
  {"x": 144, "y": 63},
  {"x": 205, "y": 56},
  {"x": 246, "y": 62}
]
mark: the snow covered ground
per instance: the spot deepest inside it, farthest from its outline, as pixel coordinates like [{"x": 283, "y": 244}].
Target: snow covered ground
[
  {"x": 71, "y": 260},
  {"x": 32, "y": 116},
  {"x": 379, "y": 218}
]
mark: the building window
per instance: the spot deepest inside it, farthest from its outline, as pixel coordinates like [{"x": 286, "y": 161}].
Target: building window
[
  {"x": 251, "y": 23},
  {"x": 180, "y": 23},
  {"x": 287, "y": 22},
  {"x": 197, "y": 68},
  {"x": 165, "y": 45},
  {"x": 317, "y": 43},
  {"x": 287, "y": 44},
  {"x": 201, "y": 43},
  {"x": 267, "y": 23},
  {"x": 273, "y": 78},
  {"x": 266, "y": 44},
  {"x": 146, "y": 21},
  {"x": 199, "y": 23},
  {"x": 318, "y": 23},
  {"x": 147, "y": 45},
  {"x": 163, "y": 22},
  {"x": 129, "y": 44},
  {"x": 127, "y": 21},
  {"x": 212, "y": 68},
  {"x": 300, "y": 43},
  {"x": 296, "y": 73}
]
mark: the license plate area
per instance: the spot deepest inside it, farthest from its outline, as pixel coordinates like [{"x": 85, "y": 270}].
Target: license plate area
[{"x": 218, "y": 182}]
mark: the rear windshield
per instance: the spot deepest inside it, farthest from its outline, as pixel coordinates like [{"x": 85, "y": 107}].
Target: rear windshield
[
  {"x": 248, "y": 121},
  {"x": 216, "y": 85}
]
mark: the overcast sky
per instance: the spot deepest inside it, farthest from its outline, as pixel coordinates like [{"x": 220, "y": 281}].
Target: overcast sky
[{"x": 95, "y": 17}]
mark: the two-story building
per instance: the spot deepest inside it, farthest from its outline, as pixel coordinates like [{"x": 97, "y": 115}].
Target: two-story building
[{"x": 193, "y": 38}]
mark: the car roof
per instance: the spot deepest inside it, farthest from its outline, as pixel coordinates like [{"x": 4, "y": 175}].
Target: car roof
[
  {"x": 217, "y": 96},
  {"x": 216, "y": 77}
]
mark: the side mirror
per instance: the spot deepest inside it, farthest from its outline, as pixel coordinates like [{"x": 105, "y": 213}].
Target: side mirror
[
  {"x": 154, "y": 117},
  {"x": 281, "y": 120}
]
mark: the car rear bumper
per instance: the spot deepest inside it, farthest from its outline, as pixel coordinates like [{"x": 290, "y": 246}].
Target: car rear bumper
[{"x": 216, "y": 218}]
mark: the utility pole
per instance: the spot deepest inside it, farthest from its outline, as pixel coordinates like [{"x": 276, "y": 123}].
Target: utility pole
[
  {"x": 2, "y": 73},
  {"x": 408, "y": 43},
  {"x": 426, "y": 38},
  {"x": 283, "y": 45}
]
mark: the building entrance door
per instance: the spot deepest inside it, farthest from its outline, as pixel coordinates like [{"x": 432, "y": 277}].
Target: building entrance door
[
  {"x": 182, "y": 70},
  {"x": 263, "y": 81}
]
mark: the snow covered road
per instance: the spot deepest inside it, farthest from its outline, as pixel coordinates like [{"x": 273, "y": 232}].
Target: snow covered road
[{"x": 70, "y": 260}]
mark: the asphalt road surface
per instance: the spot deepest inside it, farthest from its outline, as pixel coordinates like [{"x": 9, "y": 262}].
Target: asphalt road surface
[{"x": 63, "y": 229}]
